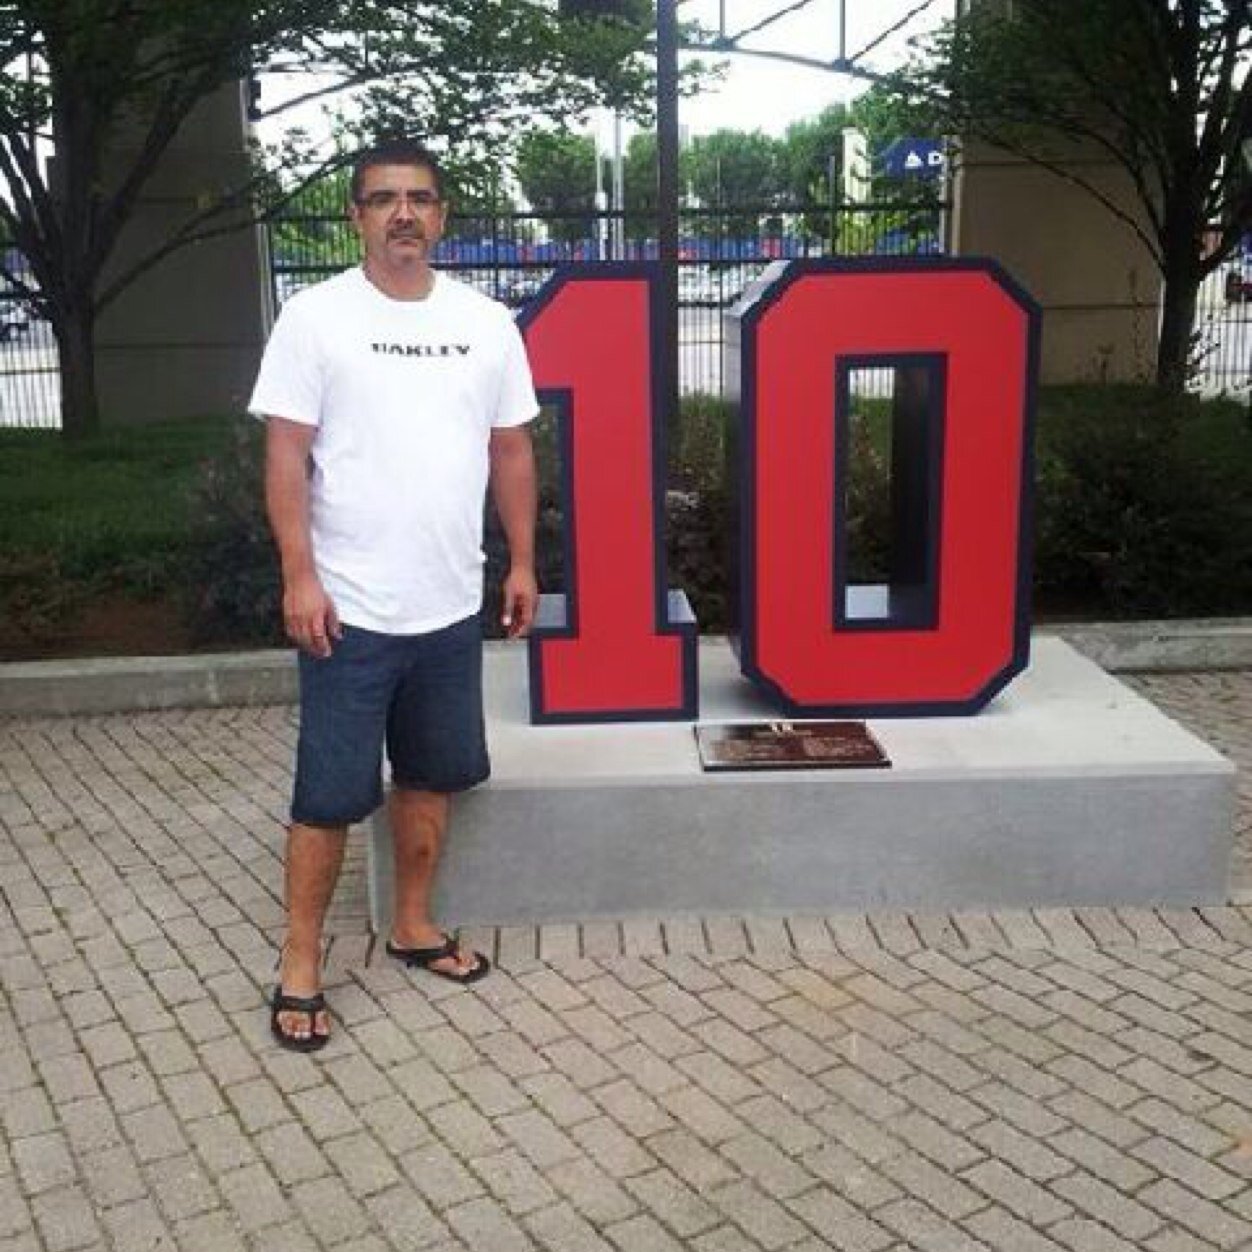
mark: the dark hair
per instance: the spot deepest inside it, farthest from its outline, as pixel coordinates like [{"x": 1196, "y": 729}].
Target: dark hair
[{"x": 395, "y": 152}]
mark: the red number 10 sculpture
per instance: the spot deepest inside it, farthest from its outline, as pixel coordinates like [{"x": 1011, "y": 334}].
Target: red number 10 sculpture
[{"x": 950, "y": 626}]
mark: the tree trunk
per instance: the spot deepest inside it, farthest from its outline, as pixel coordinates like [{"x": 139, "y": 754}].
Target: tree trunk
[
  {"x": 1175, "y": 356},
  {"x": 1175, "y": 359},
  {"x": 76, "y": 339}
]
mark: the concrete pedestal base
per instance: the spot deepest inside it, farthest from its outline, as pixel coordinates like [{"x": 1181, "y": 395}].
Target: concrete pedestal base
[{"x": 1068, "y": 789}]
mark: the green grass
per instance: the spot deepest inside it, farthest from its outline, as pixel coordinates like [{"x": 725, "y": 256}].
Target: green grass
[{"x": 110, "y": 508}]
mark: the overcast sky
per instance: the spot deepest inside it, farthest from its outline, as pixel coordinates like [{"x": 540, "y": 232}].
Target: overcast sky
[
  {"x": 757, "y": 94},
  {"x": 767, "y": 95}
]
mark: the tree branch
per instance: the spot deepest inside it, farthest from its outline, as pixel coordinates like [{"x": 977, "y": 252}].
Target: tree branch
[
  {"x": 197, "y": 229},
  {"x": 25, "y": 181},
  {"x": 1067, "y": 174},
  {"x": 1215, "y": 135},
  {"x": 363, "y": 78},
  {"x": 170, "y": 114}
]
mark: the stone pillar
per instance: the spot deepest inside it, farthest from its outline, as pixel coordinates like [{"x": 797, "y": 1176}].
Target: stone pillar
[
  {"x": 1095, "y": 279},
  {"x": 185, "y": 339}
]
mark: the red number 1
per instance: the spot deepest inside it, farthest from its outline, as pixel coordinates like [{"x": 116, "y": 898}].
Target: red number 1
[{"x": 616, "y": 646}]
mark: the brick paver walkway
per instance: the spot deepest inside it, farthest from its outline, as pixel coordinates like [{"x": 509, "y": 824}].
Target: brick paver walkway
[{"x": 1022, "y": 1081}]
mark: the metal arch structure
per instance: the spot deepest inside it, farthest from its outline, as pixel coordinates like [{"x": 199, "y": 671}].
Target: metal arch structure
[
  {"x": 851, "y": 63},
  {"x": 726, "y": 41}
]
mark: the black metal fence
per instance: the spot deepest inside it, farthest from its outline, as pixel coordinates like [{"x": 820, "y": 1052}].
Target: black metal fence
[
  {"x": 30, "y": 379},
  {"x": 510, "y": 255},
  {"x": 1222, "y": 351}
]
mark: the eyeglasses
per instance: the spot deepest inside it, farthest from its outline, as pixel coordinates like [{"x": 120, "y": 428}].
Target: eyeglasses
[{"x": 380, "y": 200}]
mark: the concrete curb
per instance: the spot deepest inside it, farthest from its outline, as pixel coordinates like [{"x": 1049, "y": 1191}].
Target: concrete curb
[
  {"x": 212, "y": 680},
  {"x": 133, "y": 683},
  {"x": 1164, "y": 646}
]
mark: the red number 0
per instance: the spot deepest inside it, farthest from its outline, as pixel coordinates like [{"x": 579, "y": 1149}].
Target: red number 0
[{"x": 955, "y": 629}]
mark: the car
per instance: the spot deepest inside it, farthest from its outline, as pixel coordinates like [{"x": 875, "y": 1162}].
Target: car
[
  {"x": 697, "y": 284},
  {"x": 519, "y": 287},
  {"x": 15, "y": 320},
  {"x": 1238, "y": 284}
]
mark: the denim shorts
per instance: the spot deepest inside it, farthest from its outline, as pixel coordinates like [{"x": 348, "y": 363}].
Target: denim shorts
[{"x": 421, "y": 695}]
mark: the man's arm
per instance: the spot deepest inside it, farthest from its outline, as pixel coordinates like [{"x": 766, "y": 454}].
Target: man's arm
[
  {"x": 308, "y": 612},
  {"x": 515, "y": 490}
]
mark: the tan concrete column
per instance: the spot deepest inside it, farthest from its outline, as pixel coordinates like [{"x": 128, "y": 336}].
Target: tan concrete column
[
  {"x": 1095, "y": 279},
  {"x": 185, "y": 339}
]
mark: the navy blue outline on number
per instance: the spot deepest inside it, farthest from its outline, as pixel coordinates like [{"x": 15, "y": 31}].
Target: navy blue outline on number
[
  {"x": 558, "y": 614},
  {"x": 917, "y": 609},
  {"x": 746, "y": 331}
]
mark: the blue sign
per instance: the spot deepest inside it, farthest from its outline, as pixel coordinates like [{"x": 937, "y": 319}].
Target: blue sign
[{"x": 912, "y": 158}]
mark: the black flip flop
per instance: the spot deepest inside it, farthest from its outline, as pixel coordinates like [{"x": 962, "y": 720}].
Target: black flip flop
[
  {"x": 425, "y": 958},
  {"x": 281, "y": 1002}
]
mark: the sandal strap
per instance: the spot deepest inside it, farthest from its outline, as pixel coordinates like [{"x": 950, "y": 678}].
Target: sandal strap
[
  {"x": 447, "y": 948},
  {"x": 425, "y": 956},
  {"x": 284, "y": 1003}
]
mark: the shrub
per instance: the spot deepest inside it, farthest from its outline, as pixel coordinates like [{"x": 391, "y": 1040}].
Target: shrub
[
  {"x": 698, "y": 459},
  {"x": 109, "y": 513},
  {"x": 1144, "y": 504},
  {"x": 233, "y": 592},
  {"x": 1144, "y": 507},
  {"x": 698, "y": 542},
  {"x": 94, "y": 522}
]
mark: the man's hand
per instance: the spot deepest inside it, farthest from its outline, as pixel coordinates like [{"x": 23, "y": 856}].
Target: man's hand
[
  {"x": 520, "y": 600},
  {"x": 310, "y": 617},
  {"x": 515, "y": 490},
  {"x": 309, "y": 614}
]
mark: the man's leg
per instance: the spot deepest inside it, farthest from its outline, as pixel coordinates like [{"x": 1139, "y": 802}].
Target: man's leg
[
  {"x": 314, "y": 858},
  {"x": 437, "y": 746},
  {"x": 419, "y": 820},
  {"x": 343, "y": 715}
]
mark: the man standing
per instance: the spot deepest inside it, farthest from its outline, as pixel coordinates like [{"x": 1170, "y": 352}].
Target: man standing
[{"x": 393, "y": 395}]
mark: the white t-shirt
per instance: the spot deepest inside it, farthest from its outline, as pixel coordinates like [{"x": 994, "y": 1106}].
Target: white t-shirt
[{"x": 404, "y": 394}]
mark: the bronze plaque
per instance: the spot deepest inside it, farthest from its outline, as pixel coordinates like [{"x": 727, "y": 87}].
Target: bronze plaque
[{"x": 789, "y": 745}]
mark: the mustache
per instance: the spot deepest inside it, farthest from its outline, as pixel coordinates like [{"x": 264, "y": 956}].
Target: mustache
[{"x": 406, "y": 232}]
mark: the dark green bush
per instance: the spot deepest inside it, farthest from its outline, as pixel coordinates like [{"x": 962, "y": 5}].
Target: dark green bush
[
  {"x": 232, "y": 592},
  {"x": 698, "y": 542},
  {"x": 549, "y": 558},
  {"x": 1144, "y": 504},
  {"x": 698, "y": 459},
  {"x": 1144, "y": 508},
  {"x": 84, "y": 523}
]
